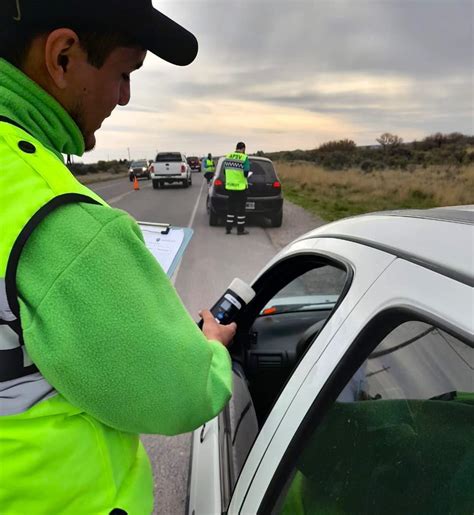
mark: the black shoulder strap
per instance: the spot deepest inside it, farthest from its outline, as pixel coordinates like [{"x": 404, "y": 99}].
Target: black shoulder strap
[
  {"x": 35, "y": 220},
  {"x": 12, "y": 360}
]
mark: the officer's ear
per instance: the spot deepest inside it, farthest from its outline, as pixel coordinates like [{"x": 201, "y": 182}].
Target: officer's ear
[{"x": 63, "y": 56}]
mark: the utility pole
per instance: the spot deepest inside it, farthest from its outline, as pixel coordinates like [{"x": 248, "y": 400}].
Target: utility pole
[{"x": 128, "y": 150}]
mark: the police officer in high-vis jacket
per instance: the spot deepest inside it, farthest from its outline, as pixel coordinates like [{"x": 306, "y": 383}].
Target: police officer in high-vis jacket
[
  {"x": 209, "y": 168},
  {"x": 236, "y": 170},
  {"x": 79, "y": 377}
]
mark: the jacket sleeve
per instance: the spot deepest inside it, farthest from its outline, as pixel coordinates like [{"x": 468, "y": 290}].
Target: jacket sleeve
[{"x": 107, "y": 329}]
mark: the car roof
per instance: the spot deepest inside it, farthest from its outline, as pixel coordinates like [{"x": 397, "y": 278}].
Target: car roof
[
  {"x": 258, "y": 158},
  {"x": 253, "y": 158},
  {"x": 441, "y": 239}
]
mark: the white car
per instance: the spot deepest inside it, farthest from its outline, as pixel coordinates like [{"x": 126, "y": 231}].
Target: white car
[
  {"x": 170, "y": 167},
  {"x": 353, "y": 376}
]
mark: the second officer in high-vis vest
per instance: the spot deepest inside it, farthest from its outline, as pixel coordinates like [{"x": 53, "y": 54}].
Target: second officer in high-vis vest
[
  {"x": 209, "y": 168},
  {"x": 80, "y": 376},
  {"x": 236, "y": 170}
]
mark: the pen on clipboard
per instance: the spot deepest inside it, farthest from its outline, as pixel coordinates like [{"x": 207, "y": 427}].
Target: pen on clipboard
[{"x": 166, "y": 227}]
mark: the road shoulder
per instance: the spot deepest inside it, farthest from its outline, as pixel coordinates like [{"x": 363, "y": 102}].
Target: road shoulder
[{"x": 296, "y": 221}]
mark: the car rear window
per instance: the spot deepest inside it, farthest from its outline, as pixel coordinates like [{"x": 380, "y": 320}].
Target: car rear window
[
  {"x": 168, "y": 157},
  {"x": 263, "y": 168}
]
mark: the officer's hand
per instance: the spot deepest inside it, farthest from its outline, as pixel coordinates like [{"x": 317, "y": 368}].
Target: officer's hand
[{"x": 214, "y": 331}]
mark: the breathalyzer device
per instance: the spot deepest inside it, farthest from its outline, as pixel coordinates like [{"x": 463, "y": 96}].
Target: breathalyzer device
[{"x": 236, "y": 297}]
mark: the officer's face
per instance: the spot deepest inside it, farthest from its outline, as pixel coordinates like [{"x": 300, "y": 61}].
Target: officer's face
[{"x": 99, "y": 91}]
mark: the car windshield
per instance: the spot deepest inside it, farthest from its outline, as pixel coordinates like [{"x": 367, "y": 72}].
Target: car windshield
[
  {"x": 192, "y": 159},
  {"x": 167, "y": 157},
  {"x": 263, "y": 169},
  {"x": 139, "y": 164}
]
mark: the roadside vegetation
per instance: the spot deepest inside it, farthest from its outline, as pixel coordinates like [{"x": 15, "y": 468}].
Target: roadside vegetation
[
  {"x": 100, "y": 171},
  {"x": 339, "y": 179}
]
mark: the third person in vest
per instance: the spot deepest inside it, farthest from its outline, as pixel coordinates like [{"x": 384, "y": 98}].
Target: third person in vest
[
  {"x": 209, "y": 168},
  {"x": 236, "y": 171}
]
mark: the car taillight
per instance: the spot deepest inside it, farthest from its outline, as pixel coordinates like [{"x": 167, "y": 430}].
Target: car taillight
[
  {"x": 218, "y": 182},
  {"x": 152, "y": 169},
  {"x": 276, "y": 184},
  {"x": 183, "y": 168}
]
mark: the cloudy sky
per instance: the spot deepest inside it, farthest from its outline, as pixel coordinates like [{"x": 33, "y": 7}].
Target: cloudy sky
[{"x": 291, "y": 74}]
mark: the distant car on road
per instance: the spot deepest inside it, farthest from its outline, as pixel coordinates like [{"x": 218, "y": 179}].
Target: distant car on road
[
  {"x": 353, "y": 376},
  {"x": 170, "y": 167},
  {"x": 139, "y": 168},
  {"x": 264, "y": 195},
  {"x": 194, "y": 163}
]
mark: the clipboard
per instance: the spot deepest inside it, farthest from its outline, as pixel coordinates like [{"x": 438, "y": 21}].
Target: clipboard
[{"x": 167, "y": 243}]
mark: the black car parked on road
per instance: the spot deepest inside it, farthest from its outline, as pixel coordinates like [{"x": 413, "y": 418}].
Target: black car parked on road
[
  {"x": 139, "y": 168},
  {"x": 264, "y": 196}
]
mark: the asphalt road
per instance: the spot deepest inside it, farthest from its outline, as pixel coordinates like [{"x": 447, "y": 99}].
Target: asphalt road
[{"x": 211, "y": 261}]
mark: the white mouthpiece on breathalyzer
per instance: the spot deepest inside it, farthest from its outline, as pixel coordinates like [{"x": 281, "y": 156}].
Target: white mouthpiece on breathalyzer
[
  {"x": 242, "y": 289},
  {"x": 234, "y": 299}
]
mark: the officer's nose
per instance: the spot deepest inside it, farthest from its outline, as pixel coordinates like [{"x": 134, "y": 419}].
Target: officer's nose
[{"x": 124, "y": 97}]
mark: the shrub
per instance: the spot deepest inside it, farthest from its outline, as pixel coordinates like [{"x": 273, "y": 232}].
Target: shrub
[
  {"x": 336, "y": 161},
  {"x": 367, "y": 166}
]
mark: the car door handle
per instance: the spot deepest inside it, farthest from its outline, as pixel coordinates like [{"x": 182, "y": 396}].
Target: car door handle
[{"x": 201, "y": 438}]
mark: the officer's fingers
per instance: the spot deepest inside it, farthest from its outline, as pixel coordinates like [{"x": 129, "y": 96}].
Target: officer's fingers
[
  {"x": 232, "y": 328},
  {"x": 207, "y": 316}
]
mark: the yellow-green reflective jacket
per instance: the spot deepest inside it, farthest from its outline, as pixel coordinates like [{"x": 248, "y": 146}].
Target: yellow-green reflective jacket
[
  {"x": 49, "y": 449},
  {"x": 210, "y": 166},
  {"x": 235, "y": 179}
]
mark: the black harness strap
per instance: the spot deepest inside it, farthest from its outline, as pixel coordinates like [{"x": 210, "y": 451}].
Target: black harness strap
[{"x": 11, "y": 360}]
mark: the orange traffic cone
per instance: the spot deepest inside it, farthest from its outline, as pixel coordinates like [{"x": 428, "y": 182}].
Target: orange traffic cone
[{"x": 135, "y": 184}]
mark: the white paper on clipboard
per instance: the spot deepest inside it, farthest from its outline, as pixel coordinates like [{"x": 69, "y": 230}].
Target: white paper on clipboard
[{"x": 167, "y": 244}]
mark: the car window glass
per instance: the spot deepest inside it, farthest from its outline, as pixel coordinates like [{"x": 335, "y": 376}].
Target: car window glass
[
  {"x": 399, "y": 437},
  {"x": 138, "y": 164},
  {"x": 317, "y": 288},
  {"x": 262, "y": 169},
  {"x": 168, "y": 157}
]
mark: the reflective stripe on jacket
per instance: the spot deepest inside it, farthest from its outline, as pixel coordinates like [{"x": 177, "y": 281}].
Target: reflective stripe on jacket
[
  {"x": 235, "y": 179},
  {"x": 49, "y": 449}
]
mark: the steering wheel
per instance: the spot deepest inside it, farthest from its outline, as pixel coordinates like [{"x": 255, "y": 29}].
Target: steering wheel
[{"x": 308, "y": 336}]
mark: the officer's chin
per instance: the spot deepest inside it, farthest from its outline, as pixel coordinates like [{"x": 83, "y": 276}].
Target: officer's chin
[{"x": 89, "y": 142}]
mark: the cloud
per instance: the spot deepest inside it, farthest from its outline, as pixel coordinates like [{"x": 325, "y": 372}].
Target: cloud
[{"x": 293, "y": 74}]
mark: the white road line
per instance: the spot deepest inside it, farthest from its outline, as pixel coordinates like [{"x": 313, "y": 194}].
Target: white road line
[
  {"x": 190, "y": 224},
  {"x": 118, "y": 198}
]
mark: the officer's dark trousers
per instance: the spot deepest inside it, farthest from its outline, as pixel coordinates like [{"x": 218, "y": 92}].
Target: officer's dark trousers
[{"x": 236, "y": 210}]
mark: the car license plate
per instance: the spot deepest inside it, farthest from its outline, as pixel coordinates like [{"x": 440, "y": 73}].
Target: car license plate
[{"x": 250, "y": 205}]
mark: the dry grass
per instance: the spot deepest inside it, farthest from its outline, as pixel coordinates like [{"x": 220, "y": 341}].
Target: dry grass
[
  {"x": 335, "y": 194},
  {"x": 90, "y": 178}
]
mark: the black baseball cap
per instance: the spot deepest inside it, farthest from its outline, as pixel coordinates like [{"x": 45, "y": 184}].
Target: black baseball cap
[{"x": 138, "y": 18}]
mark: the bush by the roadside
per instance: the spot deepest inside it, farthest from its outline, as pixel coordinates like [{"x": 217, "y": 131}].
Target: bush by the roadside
[
  {"x": 336, "y": 194},
  {"x": 111, "y": 167},
  {"x": 390, "y": 153}
]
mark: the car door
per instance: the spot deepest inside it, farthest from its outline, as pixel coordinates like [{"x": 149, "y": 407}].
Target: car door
[
  {"x": 383, "y": 419},
  {"x": 308, "y": 289}
]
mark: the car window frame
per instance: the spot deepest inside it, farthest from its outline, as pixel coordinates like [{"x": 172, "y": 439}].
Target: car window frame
[
  {"x": 268, "y": 284},
  {"x": 368, "y": 338}
]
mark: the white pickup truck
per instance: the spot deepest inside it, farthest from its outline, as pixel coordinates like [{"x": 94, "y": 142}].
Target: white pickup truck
[{"x": 170, "y": 167}]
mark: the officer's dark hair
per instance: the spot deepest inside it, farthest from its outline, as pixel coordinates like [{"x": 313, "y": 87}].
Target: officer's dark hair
[
  {"x": 240, "y": 145},
  {"x": 97, "y": 42}
]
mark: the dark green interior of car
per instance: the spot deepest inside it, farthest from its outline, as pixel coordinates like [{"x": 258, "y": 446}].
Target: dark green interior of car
[{"x": 389, "y": 457}]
